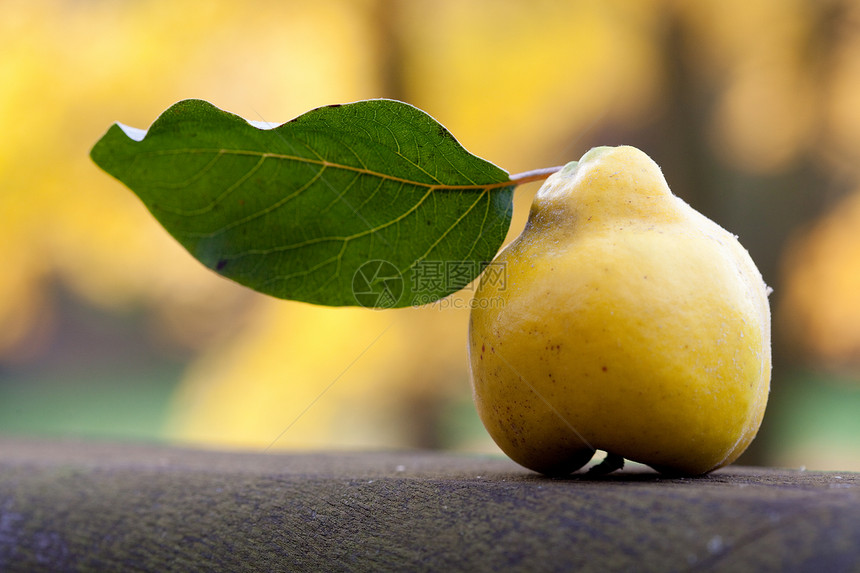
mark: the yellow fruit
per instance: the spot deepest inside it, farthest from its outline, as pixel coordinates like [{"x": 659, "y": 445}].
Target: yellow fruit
[{"x": 621, "y": 319}]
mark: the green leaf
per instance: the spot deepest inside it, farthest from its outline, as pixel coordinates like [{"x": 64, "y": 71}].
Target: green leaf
[{"x": 372, "y": 203}]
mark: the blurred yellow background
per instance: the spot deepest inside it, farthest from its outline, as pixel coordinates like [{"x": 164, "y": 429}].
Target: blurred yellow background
[{"x": 109, "y": 329}]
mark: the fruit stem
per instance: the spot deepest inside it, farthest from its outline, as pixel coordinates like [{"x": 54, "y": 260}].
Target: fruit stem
[{"x": 534, "y": 175}]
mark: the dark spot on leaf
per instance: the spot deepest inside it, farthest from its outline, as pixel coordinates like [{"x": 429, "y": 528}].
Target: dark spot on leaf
[
  {"x": 221, "y": 264},
  {"x": 334, "y": 105},
  {"x": 604, "y": 368}
]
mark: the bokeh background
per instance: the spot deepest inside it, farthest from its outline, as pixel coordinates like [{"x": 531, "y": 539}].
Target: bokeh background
[{"x": 110, "y": 330}]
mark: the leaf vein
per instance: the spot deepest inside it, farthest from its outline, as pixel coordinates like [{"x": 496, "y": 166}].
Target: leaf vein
[{"x": 317, "y": 240}]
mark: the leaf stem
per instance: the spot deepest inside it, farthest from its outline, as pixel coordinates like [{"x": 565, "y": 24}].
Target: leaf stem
[{"x": 534, "y": 175}]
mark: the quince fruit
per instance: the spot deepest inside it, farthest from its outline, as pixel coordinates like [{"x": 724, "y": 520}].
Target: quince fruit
[{"x": 621, "y": 319}]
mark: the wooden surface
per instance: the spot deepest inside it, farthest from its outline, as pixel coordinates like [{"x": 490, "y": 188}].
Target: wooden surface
[{"x": 68, "y": 507}]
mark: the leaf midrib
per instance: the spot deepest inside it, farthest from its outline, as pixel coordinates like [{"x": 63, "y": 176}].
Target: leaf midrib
[{"x": 437, "y": 186}]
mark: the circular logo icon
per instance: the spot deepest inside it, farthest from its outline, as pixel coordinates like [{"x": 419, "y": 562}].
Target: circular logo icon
[{"x": 377, "y": 284}]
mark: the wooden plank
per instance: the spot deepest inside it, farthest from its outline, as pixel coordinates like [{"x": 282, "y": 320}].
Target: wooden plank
[{"x": 85, "y": 506}]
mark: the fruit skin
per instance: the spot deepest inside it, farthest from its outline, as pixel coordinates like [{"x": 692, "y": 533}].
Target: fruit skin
[{"x": 626, "y": 322}]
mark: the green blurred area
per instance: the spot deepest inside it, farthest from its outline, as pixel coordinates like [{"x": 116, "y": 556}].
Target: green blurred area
[
  {"x": 115, "y": 405},
  {"x": 814, "y": 420},
  {"x": 102, "y": 376},
  {"x": 109, "y": 330}
]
